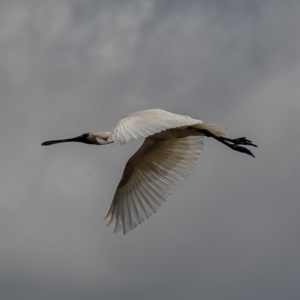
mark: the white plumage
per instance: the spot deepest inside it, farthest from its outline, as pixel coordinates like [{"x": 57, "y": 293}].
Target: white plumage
[
  {"x": 148, "y": 181},
  {"x": 148, "y": 122},
  {"x": 171, "y": 148}
]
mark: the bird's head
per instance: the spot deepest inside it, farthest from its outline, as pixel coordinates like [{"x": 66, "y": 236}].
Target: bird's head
[{"x": 94, "y": 138}]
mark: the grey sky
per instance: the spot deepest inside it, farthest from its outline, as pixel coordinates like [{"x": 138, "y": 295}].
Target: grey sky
[{"x": 231, "y": 231}]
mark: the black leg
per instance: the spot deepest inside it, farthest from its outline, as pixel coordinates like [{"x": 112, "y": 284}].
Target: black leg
[
  {"x": 240, "y": 141},
  {"x": 233, "y": 144}
]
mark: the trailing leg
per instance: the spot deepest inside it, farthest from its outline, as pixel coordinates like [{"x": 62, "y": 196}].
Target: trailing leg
[{"x": 233, "y": 144}]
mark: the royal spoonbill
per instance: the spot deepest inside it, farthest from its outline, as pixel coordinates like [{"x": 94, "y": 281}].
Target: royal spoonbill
[{"x": 170, "y": 150}]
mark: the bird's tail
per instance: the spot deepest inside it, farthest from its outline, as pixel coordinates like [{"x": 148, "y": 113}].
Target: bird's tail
[{"x": 216, "y": 129}]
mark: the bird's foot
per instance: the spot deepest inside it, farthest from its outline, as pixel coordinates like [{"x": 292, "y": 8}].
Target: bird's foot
[
  {"x": 242, "y": 141},
  {"x": 234, "y": 144},
  {"x": 242, "y": 149}
]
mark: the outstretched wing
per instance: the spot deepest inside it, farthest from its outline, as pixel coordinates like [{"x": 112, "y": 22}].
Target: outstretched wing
[
  {"x": 148, "y": 122},
  {"x": 150, "y": 175}
]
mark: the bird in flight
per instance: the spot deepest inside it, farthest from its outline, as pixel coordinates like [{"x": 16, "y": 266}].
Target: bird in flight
[{"x": 170, "y": 150}]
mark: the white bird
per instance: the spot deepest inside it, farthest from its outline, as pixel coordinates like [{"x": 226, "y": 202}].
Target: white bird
[{"x": 170, "y": 150}]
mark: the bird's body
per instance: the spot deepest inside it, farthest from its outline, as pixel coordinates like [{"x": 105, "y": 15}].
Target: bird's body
[{"x": 171, "y": 148}]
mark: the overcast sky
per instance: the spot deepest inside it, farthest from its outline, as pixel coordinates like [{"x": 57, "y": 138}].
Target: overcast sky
[{"x": 231, "y": 231}]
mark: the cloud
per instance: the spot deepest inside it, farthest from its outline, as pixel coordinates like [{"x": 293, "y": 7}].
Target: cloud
[{"x": 68, "y": 67}]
